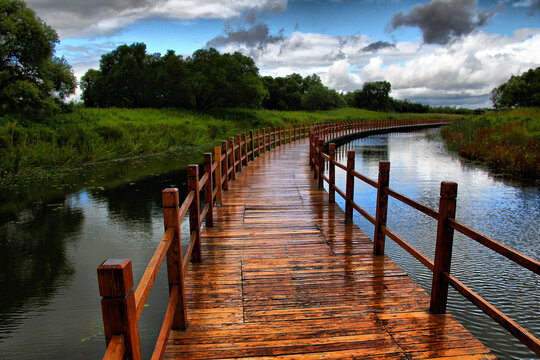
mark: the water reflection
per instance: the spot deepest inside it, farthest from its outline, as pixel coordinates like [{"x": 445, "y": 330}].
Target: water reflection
[
  {"x": 507, "y": 211},
  {"x": 53, "y": 236},
  {"x": 33, "y": 261}
]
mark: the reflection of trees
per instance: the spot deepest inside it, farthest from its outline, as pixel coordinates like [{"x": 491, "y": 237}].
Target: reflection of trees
[
  {"x": 136, "y": 201},
  {"x": 368, "y": 150},
  {"x": 33, "y": 261}
]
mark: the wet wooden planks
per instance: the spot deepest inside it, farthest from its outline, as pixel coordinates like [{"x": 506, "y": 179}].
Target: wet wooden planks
[{"x": 283, "y": 277}]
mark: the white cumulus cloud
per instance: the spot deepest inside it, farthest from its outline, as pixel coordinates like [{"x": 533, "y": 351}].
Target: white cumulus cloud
[
  {"x": 84, "y": 18},
  {"x": 462, "y": 73}
]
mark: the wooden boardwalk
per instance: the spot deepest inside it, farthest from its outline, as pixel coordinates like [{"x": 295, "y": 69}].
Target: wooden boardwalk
[{"x": 283, "y": 277}]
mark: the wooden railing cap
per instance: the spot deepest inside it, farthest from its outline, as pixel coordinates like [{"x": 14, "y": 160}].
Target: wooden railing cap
[
  {"x": 170, "y": 198},
  {"x": 449, "y": 189},
  {"x": 193, "y": 170},
  {"x": 115, "y": 277},
  {"x": 384, "y": 166}
]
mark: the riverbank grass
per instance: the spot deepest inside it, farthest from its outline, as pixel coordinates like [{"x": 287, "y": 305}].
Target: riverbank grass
[
  {"x": 88, "y": 134},
  {"x": 507, "y": 141}
]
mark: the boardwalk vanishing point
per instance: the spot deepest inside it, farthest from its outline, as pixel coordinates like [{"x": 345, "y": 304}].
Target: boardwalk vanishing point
[{"x": 277, "y": 272}]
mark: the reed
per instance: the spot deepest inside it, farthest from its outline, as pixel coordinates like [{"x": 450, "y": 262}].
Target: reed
[
  {"x": 507, "y": 141},
  {"x": 89, "y": 134}
]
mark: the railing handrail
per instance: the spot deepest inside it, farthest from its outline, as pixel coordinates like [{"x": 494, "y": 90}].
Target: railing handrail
[{"x": 447, "y": 224}]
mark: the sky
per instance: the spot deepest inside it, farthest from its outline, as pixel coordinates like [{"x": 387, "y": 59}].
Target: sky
[{"x": 438, "y": 52}]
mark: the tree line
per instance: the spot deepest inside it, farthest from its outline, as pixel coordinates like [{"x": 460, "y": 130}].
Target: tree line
[
  {"x": 129, "y": 77},
  {"x": 34, "y": 82}
]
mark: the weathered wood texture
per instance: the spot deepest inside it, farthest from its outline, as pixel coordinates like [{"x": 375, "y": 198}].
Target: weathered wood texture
[{"x": 283, "y": 277}]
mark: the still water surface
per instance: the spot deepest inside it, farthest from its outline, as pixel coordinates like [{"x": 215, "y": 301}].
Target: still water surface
[
  {"x": 54, "y": 234},
  {"x": 508, "y": 212}
]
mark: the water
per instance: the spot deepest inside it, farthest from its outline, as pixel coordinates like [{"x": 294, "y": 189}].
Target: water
[
  {"x": 53, "y": 235},
  {"x": 508, "y": 212}
]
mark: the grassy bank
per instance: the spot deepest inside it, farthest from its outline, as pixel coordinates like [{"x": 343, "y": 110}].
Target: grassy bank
[
  {"x": 90, "y": 135},
  {"x": 507, "y": 141}
]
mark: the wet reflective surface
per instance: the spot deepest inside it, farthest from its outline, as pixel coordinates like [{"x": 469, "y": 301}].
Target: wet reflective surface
[
  {"x": 507, "y": 212},
  {"x": 53, "y": 235}
]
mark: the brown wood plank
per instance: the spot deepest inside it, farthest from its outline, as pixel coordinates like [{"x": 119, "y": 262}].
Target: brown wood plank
[{"x": 283, "y": 277}]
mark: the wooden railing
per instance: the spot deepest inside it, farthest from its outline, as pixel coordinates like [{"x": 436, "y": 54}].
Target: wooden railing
[
  {"x": 121, "y": 306},
  {"x": 445, "y": 217}
]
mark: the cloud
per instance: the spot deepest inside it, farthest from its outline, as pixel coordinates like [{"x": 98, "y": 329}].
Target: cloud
[
  {"x": 535, "y": 6},
  {"x": 460, "y": 74},
  {"x": 442, "y": 21},
  {"x": 300, "y": 50},
  {"x": 79, "y": 18},
  {"x": 378, "y": 45},
  {"x": 258, "y": 36}
]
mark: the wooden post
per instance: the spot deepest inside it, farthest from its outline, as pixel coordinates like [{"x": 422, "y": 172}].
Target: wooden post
[
  {"x": 239, "y": 141},
  {"x": 175, "y": 270},
  {"x": 194, "y": 211},
  {"x": 244, "y": 139},
  {"x": 225, "y": 169},
  {"x": 382, "y": 207},
  {"x": 258, "y": 142},
  {"x": 252, "y": 137},
  {"x": 290, "y": 131},
  {"x": 315, "y": 156},
  {"x": 218, "y": 172},
  {"x": 115, "y": 279},
  {"x": 263, "y": 140},
  {"x": 443, "y": 247},
  {"x": 320, "y": 146},
  {"x": 349, "y": 188},
  {"x": 232, "y": 159},
  {"x": 331, "y": 173},
  {"x": 209, "y": 190}
]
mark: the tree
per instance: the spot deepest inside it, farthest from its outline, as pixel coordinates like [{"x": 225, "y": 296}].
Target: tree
[
  {"x": 32, "y": 79},
  {"x": 223, "y": 80},
  {"x": 128, "y": 77},
  {"x": 319, "y": 97},
  {"x": 373, "y": 96},
  {"x": 518, "y": 91}
]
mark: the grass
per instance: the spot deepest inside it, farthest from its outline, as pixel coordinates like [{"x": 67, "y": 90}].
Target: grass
[
  {"x": 89, "y": 135},
  {"x": 507, "y": 141}
]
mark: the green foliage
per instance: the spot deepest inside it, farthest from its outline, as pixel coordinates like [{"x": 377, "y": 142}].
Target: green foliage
[
  {"x": 32, "y": 80},
  {"x": 93, "y": 134},
  {"x": 319, "y": 97},
  {"x": 518, "y": 91},
  {"x": 128, "y": 77},
  {"x": 373, "y": 96},
  {"x": 296, "y": 93},
  {"x": 508, "y": 141}
]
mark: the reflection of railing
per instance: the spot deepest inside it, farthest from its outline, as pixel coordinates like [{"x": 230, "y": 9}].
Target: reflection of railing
[
  {"x": 446, "y": 223},
  {"x": 121, "y": 306}
]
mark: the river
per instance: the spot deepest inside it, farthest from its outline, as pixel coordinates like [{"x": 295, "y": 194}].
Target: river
[
  {"x": 54, "y": 233},
  {"x": 507, "y": 211}
]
